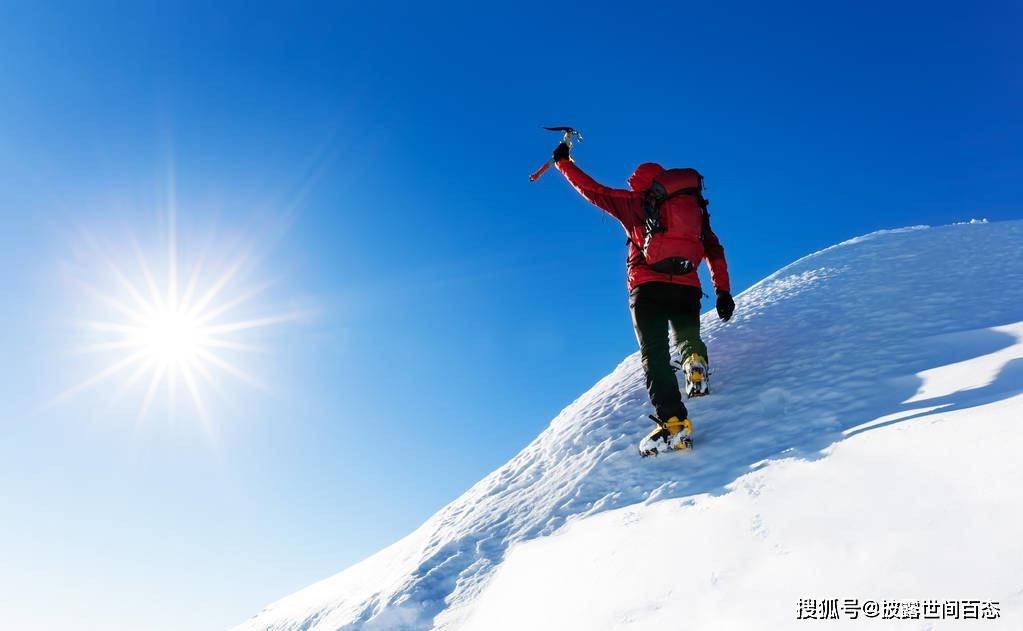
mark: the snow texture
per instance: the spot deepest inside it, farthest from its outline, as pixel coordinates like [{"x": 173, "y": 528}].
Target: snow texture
[{"x": 867, "y": 342}]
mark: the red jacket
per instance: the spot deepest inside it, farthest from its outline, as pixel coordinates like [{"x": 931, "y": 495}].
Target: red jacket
[{"x": 627, "y": 207}]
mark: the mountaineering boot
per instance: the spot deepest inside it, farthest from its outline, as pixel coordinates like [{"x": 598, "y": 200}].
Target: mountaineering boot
[
  {"x": 695, "y": 370},
  {"x": 670, "y": 435}
]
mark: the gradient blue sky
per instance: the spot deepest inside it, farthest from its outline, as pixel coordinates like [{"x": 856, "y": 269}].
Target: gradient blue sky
[{"x": 378, "y": 154}]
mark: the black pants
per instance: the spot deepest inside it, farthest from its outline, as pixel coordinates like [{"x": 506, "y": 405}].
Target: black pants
[{"x": 656, "y": 307}]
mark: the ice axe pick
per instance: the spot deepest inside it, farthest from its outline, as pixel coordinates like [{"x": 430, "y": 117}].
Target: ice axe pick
[{"x": 567, "y": 135}]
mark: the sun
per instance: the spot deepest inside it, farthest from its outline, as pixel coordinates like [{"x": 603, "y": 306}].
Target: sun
[
  {"x": 172, "y": 323},
  {"x": 172, "y": 336}
]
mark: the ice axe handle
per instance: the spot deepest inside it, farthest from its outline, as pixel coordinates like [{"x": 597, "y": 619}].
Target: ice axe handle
[
  {"x": 567, "y": 133},
  {"x": 543, "y": 169}
]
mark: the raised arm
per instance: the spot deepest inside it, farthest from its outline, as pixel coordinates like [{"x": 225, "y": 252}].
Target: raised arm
[{"x": 621, "y": 204}]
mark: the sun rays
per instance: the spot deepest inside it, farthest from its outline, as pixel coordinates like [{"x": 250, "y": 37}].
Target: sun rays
[{"x": 170, "y": 325}]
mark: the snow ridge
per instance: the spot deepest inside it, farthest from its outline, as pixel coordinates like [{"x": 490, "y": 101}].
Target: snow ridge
[{"x": 815, "y": 350}]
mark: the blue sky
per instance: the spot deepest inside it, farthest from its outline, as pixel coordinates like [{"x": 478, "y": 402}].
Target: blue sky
[{"x": 377, "y": 157}]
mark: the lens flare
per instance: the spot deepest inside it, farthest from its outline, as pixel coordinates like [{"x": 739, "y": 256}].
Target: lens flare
[{"x": 164, "y": 332}]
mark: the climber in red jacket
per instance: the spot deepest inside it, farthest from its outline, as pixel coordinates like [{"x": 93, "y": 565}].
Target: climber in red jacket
[{"x": 665, "y": 218}]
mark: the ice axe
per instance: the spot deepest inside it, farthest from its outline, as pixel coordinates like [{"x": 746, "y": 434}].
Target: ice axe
[{"x": 567, "y": 134}]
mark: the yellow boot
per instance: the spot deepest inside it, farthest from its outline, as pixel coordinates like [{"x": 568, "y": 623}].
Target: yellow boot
[
  {"x": 680, "y": 432},
  {"x": 670, "y": 435},
  {"x": 695, "y": 370}
]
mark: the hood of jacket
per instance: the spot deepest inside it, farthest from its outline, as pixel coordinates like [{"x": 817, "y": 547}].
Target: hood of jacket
[{"x": 644, "y": 175}]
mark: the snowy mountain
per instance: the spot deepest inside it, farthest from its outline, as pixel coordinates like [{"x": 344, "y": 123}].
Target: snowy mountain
[{"x": 860, "y": 443}]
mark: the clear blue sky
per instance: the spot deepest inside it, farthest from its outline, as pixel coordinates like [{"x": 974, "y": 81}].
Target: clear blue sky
[{"x": 452, "y": 307}]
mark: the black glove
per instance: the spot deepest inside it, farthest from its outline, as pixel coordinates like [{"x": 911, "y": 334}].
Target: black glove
[
  {"x": 726, "y": 306},
  {"x": 561, "y": 152}
]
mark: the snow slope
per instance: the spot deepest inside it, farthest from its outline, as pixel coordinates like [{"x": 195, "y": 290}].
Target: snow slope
[
  {"x": 902, "y": 346},
  {"x": 928, "y": 509}
]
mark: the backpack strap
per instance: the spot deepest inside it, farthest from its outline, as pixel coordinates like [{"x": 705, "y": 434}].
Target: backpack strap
[
  {"x": 695, "y": 191},
  {"x": 652, "y": 206}
]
